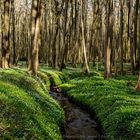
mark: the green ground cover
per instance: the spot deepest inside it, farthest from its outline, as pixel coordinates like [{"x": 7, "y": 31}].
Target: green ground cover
[
  {"x": 27, "y": 110},
  {"x": 116, "y": 105}
]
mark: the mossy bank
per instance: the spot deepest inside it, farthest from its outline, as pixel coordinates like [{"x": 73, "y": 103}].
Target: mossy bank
[
  {"x": 117, "y": 106},
  {"x": 27, "y": 110}
]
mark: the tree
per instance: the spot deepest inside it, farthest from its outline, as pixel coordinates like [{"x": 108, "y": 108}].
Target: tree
[
  {"x": 85, "y": 68},
  {"x": 121, "y": 32},
  {"x": 35, "y": 35},
  {"x": 136, "y": 15},
  {"x": 107, "y": 49},
  {"x": 6, "y": 33},
  {"x": 64, "y": 53},
  {"x": 130, "y": 34},
  {"x": 13, "y": 31}
]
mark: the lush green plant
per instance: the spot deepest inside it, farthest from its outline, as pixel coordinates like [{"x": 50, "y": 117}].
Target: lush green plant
[
  {"x": 116, "y": 105},
  {"x": 45, "y": 79},
  {"x": 27, "y": 111},
  {"x": 55, "y": 77}
]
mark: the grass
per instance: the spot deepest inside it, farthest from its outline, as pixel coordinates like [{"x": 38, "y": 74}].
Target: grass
[
  {"x": 116, "y": 105},
  {"x": 27, "y": 110},
  {"x": 55, "y": 77}
]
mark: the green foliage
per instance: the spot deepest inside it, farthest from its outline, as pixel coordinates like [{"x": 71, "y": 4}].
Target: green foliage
[
  {"x": 66, "y": 86},
  {"x": 55, "y": 77},
  {"x": 27, "y": 111},
  {"x": 45, "y": 79},
  {"x": 115, "y": 104}
]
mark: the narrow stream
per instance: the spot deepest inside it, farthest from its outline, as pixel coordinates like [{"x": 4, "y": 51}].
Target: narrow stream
[{"x": 79, "y": 124}]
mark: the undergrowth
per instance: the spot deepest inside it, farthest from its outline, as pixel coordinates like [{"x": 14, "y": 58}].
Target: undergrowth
[
  {"x": 27, "y": 110},
  {"x": 116, "y": 105}
]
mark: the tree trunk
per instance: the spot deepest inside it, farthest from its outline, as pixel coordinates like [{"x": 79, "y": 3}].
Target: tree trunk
[
  {"x": 35, "y": 36},
  {"x": 6, "y": 34},
  {"x": 85, "y": 68},
  {"x": 138, "y": 83},
  {"x": 135, "y": 27},
  {"x": 13, "y": 32},
  {"x": 121, "y": 33},
  {"x": 107, "y": 49},
  {"x": 64, "y": 54}
]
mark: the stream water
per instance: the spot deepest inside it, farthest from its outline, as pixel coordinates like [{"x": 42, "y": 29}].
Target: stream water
[{"x": 79, "y": 124}]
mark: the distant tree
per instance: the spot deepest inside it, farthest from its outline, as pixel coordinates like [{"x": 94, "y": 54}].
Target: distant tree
[
  {"x": 13, "y": 31},
  {"x": 136, "y": 15},
  {"x": 85, "y": 68},
  {"x": 121, "y": 31},
  {"x": 66, "y": 26},
  {"x": 107, "y": 53}
]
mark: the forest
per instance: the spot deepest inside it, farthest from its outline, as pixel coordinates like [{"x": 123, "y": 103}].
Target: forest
[{"x": 69, "y": 69}]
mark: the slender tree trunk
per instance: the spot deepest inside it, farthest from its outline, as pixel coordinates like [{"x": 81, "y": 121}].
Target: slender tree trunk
[
  {"x": 130, "y": 35},
  {"x": 6, "y": 34},
  {"x": 135, "y": 28},
  {"x": 121, "y": 33},
  {"x": 35, "y": 35},
  {"x": 54, "y": 49},
  {"x": 64, "y": 55},
  {"x": 107, "y": 49},
  {"x": 138, "y": 83},
  {"x": 13, "y": 32},
  {"x": 85, "y": 66},
  {"x": 76, "y": 34},
  {"x": 58, "y": 8}
]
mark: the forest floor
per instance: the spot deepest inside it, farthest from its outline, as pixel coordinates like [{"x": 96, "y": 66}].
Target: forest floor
[
  {"x": 29, "y": 112},
  {"x": 115, "y": 104}
]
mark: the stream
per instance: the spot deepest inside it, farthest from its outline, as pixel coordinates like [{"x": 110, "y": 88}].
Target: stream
[{"x": 79, "y": 124}]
